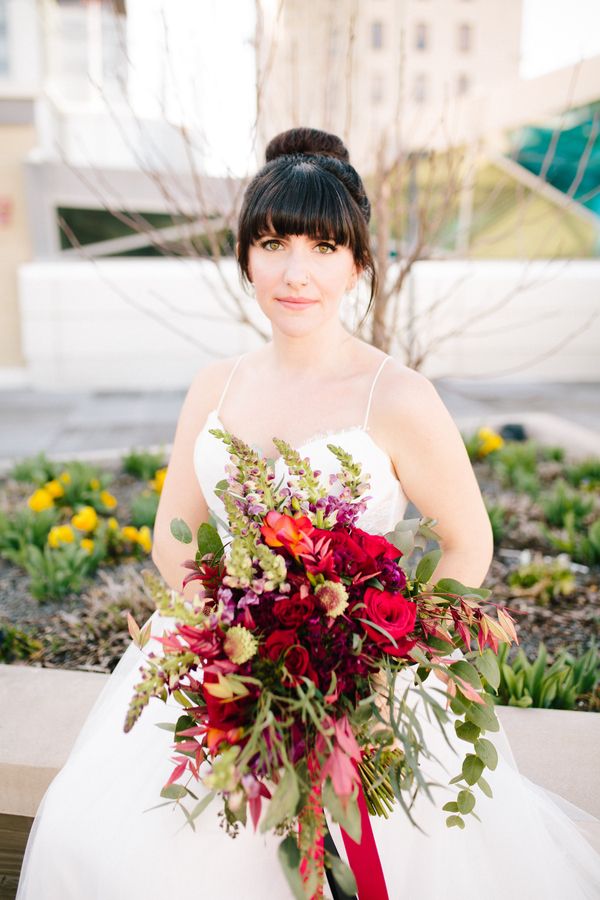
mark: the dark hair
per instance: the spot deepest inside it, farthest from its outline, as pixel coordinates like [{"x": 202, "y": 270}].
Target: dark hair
[{"x": 307, "y": 186}]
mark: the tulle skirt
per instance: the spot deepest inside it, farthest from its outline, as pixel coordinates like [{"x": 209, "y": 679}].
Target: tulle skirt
[{"x": 95, "y": 837}]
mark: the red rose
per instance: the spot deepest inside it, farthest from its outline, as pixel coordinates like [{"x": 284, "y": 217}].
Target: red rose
[
  {"x": 349, "y": 556},
  {"x": 296, "y": 662},
  {"x": 277, "y": 642},
  {"x": 294, "y": 610},
  {"x": 394, "y": 613},
  {"x": 375, "y": 545}
]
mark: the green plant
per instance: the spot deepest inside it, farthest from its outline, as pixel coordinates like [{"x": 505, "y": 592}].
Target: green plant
[
  {"x": 543, "y": 581},
  {"x": 560, "y": 500},
  {"x": 143, "y": 508},
  {"x": 585, "y": 474},
  {"x": 36, "y": 469},
  {"x": 500, "y": 520},
  {"x": 57, "y": 571},
  {"x": 516, "y": 465},
  {"x": 142, "y": 464},
  {"x": 25, "y": 528},
  {"x": 582, "y": 548},
  {"x": 17, "y": 644},
  {"x": 537, "y": 684}
]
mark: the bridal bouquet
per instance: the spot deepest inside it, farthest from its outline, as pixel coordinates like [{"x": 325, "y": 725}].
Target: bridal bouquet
[{"x": 286, "y": 662}]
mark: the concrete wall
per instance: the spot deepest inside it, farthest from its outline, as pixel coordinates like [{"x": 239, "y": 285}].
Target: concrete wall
[{"x": 118, "y": 324}]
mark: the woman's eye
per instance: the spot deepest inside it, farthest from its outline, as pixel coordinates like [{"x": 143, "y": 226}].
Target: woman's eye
[
  {"x": 266, "y": 245},
  {"x": 271, "y": 241},
  {"x": 329, "y": 246}
]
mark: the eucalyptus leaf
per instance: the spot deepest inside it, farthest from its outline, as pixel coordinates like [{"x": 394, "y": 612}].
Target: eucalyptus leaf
[
  {"x": 467, "y": 731},
  {"x": 467, "y": 672},
  {"x": 283, "y": 802},
  {"x": 452, "y": 821},
  {"x": 482, "y": 783},
  {"x": 427, "y": 566},
  {"x": 465, "y": 801},
  {"x": 181, "y": 531},
  {"x": 209, "y": 540},
  {"x": 486, "y": 751},
  {"x": 174, "y": 791},
  {"x": 343, "y": 875},
  {"x": 472, "y": 768},
  {"x": 348, "y": 817},
  {"x": 289, "y": 858},
  {"x": 487, "y": 664}
]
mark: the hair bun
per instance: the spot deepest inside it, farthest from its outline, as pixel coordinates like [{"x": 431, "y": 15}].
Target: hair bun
[{"x": 306, "y": 141}]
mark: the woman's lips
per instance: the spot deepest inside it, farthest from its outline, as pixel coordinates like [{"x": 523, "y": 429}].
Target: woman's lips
[{"x": 295, "y": 302}]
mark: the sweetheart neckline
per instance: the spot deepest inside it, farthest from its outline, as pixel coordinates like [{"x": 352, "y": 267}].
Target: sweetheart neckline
[{"x": 314, "y": 439}]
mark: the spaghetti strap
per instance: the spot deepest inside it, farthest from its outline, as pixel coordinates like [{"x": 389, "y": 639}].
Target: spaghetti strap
[
  {"x": 231, "y": 374},
  {"x": 382, "y": 364}
]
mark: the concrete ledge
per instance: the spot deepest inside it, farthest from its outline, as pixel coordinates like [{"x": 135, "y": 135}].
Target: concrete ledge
[{"x": 44, "y": 709}]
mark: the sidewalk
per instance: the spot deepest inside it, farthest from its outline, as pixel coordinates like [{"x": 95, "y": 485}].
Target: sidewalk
[{"x": 103, "y": 425}]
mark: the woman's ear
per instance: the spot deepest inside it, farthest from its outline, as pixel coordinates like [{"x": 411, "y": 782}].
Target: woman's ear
[{"x": 237, "y": 249}]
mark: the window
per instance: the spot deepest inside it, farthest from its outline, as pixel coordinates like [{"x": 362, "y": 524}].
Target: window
[
  {"x": 377, "y": 35},
  {"x": 465, "y": 38},
  {"x": 421, "y": 36},
  {"x": 377, "y": 89},
  {"x": 463, "y": 83},
  {"x": 420, "y": 88}
]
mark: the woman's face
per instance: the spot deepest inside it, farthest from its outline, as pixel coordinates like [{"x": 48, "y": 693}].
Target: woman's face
[{"x": 300, "y": 281}]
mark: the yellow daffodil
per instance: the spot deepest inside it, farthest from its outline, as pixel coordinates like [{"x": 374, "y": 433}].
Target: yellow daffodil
[
  {"x": 94, "y": 484},
  {"x": 145, "y": 538},
  {"x": 112, "y": 523},
  {"x": 87, "y": 544},
  {"x": 60, "y": 534},
  {"x": 489, "y": 441},
  {"x": 159, "y": 479},
  {"x": 54, "y": 488},
  {"x": 86, "y": 519},
  {"x": 108, "y": 500},
  {"x": 65, "y": 478},
  {"x": 40, "y": 499},
  {"x": 130, "y": 533}
]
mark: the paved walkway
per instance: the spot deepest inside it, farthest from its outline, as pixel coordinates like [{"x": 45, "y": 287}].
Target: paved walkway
[{"x": 104, "y": 424}]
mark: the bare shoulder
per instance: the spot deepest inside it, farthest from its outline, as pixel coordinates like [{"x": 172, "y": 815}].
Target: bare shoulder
[
  {"x": 406, "y": 392},
  {"x": 207, "y": 386}
]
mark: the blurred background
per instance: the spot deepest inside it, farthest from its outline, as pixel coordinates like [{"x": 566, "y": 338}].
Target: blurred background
[{"x": 129, "y": 128}]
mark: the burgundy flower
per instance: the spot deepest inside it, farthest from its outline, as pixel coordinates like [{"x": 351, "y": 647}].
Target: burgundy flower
[
  {"x": 297, "y": 663},
  {"x": 375, "y": 545},
  {"x": 294, "y": 610},
  {"x": 395, "y": 614},
  {"x": 277, "y": 642}
]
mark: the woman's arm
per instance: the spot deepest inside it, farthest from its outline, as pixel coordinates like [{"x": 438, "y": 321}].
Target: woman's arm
[
  {"x": 433, "y": 466},
  {"x": 181, "y": 496}
]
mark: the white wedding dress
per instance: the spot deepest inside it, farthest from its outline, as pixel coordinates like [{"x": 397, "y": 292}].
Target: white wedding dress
[{"x": 94, "y": 837}]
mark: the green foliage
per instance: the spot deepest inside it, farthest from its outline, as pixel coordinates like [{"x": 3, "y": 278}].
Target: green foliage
[
  {"x": 562, "y": 499},
  {"x": 516, "y": 465},
  {"x": 582, "y": 548},
  {"x": 544, "y": 581},
  {"x": 142, "y": 464},
  {"x": 25, "y": 528},
  {"x": 56, "y": 572},
  {"x": 16, "y": 644},
  {"x": 537, "y": 684},
  {"x": 35, "y": 469},
  {"x": 500, "y": 520},
  {"x": 585, "y": 474},
  {"x": 144, "y": 507}
]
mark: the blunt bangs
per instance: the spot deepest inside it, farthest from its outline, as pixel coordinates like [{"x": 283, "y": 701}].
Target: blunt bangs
[{"x": 302, "y": 199}]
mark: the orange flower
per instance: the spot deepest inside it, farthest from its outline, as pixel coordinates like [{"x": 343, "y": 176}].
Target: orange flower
[{"x": 285, "y": 531}]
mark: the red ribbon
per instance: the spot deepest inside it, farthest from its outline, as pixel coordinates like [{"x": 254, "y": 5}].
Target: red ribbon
[{"x": 364, "y": 857}]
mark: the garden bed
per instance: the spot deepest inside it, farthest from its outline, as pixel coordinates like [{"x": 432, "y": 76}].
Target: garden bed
[{"x": 533, "y": 517}]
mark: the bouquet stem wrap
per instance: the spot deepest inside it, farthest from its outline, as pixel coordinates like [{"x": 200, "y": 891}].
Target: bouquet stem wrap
[{"x": 364, "y": 857}]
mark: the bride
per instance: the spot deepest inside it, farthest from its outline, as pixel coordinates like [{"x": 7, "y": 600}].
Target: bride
[{"x": 303, "y": 242}]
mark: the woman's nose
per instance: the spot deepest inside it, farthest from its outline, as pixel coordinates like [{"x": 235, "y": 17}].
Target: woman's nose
[{"x": 297, "y": 269}]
